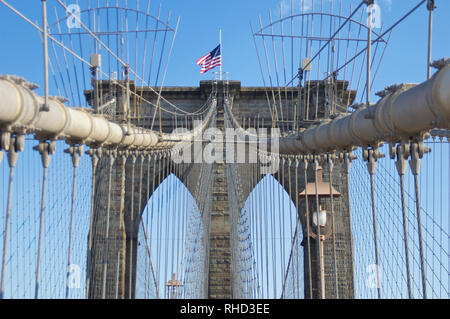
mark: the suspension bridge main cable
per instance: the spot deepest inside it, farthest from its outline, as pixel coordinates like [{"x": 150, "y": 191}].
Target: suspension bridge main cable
[{"x": 65, "y": 48}]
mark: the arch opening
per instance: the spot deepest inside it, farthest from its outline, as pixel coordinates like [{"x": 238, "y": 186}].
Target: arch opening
[
  {"x": 267, "y": 242},
  {"x": 171, "y": 250}
]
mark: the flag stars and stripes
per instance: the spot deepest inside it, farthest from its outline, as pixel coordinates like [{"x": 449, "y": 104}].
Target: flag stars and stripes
[{"x": 210, "y": 60}]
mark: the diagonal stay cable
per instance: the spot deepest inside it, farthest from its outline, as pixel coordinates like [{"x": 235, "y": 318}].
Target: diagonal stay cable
[
  {"x": 64, "y": 47},
  {"x": 107, "y": 48},
  {"x": 329, "y": 40},
  {"x": 380, "y": 36}
]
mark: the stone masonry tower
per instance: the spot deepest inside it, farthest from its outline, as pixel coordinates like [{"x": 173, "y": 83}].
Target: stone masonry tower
[{"x": 117, "y": 181}]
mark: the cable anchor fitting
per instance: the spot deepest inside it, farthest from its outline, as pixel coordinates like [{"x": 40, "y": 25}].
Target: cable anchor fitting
[{"x": 46, "y": 149}]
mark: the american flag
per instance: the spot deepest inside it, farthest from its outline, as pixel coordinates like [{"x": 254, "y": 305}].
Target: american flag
[{"x": 211, "y": 60}]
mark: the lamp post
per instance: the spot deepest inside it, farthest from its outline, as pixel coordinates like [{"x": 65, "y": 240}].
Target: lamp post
[
  {"x": 316, "y": 193},
  {"x": 173, "y": 287},
  {"x": 319, "y": 219}
]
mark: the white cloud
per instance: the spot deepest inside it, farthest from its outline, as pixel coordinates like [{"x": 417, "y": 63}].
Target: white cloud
[
  {"x": 388, "y": 4},
  {"x": 299, "y": 5}
]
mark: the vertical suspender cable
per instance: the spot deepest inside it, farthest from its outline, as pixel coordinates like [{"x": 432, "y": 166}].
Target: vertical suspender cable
[
  {"x": 12, "y": 161},
  {"x": 45, "y": 107},
  {"x": 138, "y": 214},
  {"x": 430, "y": 7},
  {"x": 75, "y": 152},
  {"x": 321, "y": 287},
  {"x": 119, "y": 253},
  {"x": 401, "y": 168},
  {"x": 166, "y": 213},
  {"x": 272, "y": 231},
  {"x": 131, "y": 259},
  {"x": 369, "y": 52},
  {"x": 281, "y": 218},
  {"x": 298, "y": 224},
  {"x": 45, "y": 149},
  {"x": 291, "y": 231},
  {"x": 95, "y": 154},
  {"x": 158, "y": 218},
  {"x": 416, "y": 155},
  {"x": 336, "y": 282},
  {"x": 147, "y": 256},
  {"x": 308, "y": 227},
  {"x": 402, "y": 154},
  {"x": 108, "y": 211},
  {"x": 371, "y": 158},
  {"x": 347, "y": 158}
]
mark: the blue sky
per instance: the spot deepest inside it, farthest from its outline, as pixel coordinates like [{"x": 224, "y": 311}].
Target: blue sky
[
  {"x": 198, "y": 33},
  {"x": 404, "y": 60}
]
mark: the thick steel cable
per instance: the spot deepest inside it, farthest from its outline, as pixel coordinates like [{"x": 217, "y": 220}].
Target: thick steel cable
[
  {"x": 254, "y": 233},
  {"x": 95, "y": 37},
  {"x": 75, "y": 161},
  {"x": 12, "y": 161},
  {"x": 141, "y": 171},
  {"x": 297, "y": 217},
  {"x": 321, "y": 287},
  {"x": 255, "y": 227},
  {"x": 382, "y": 35},
  {"x": 65, "y": 48},
  {"x": 430, "y": 7},
  {"x": 145, "y": 227},
  {"x": 399, "y": 231},
  {"x": 293, "y": 235},
  {"x": 328, "y": 41},
  {"x": 150, "y": 205},
  {"x": 318, "y": 63},
  {"x": 347, "y": 166},
  {"x": 308, "y": 53},
  {"x": 267, "y": 205},
  {"x": 46, "y": 58},
  {"x": 290, "y": 206},
  {"x": 283, "y": 50},
  {"x": 75, "y": 70},
  {"x": 154, "y": 175},
  {"x": 164, "y": 77},
  {"x": 273, "y": 231},
  {"x": 375, "y": 234},
  {"x": 164, "y": 216},
  {"x": 276, "y": 67},
  {"x": 274, "y": 109},
  {"x": 59, "y": 66},
  {"x": 260, "y": 230},
  {"x": 249, "y": 204},
  {"x": 369, "y": 57},
  {"x": 45, "y": 164},
  {"x": 108, "y": 211},
  {"x": 144, "y": 54},
  {"x": 94, "y": 161},
  {"x": 336, "y": 282},
  {"x": 154, "y": 44},
  {"x": 308, "y": 228},
  {"x": 162, "y": 49},
  {"x": 176, "y": 230},
  {"x": 65, "y": 58},
  {"x": 148, "y": 244},
  {"x": 167, "y": 207},
  {"x": 281, "y": 216},
  {"x": 401, "y": 168},
  {"x": 158, "y": 216},
  {"x": 419, "y": 230},
  {"x": 130, "y": 256},
  {"x": 148, "y": 254}
]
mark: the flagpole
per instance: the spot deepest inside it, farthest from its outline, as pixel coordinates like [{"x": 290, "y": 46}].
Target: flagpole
[{"x": 221, "y": 52}]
